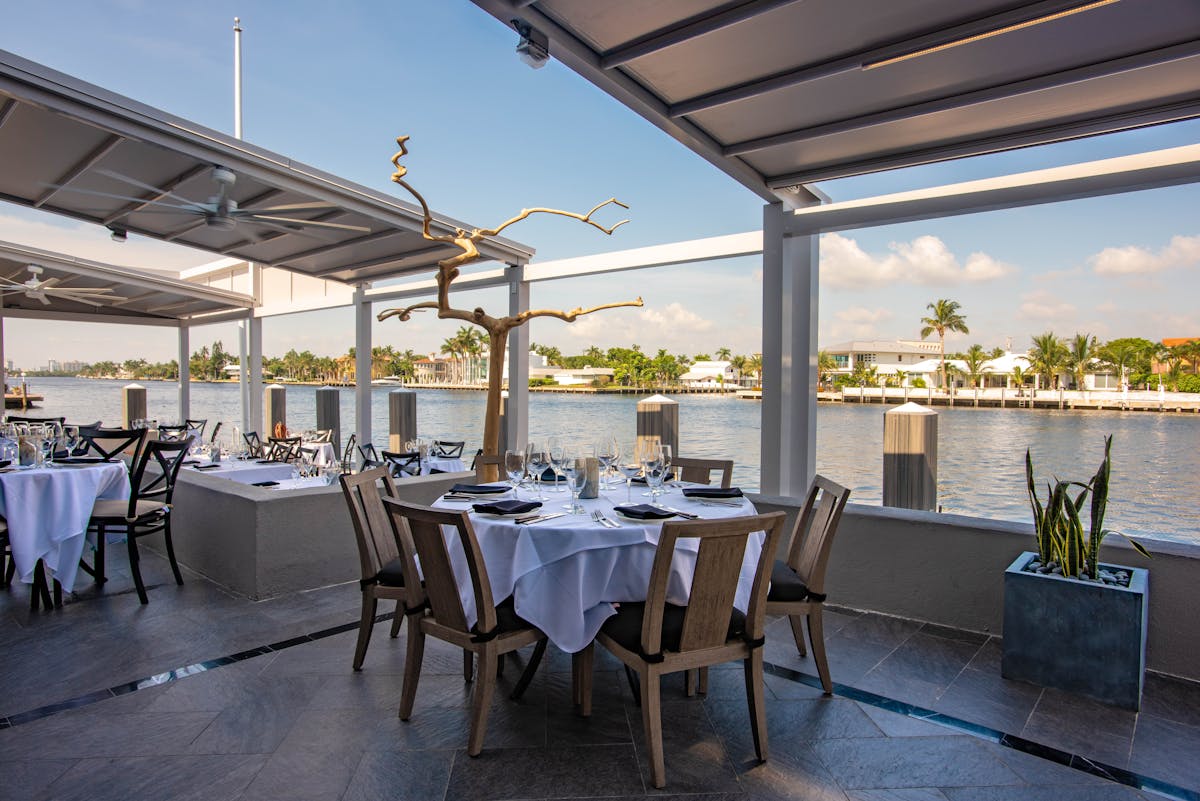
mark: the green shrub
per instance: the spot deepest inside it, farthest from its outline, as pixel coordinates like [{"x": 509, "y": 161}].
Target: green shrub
[{"x": 1189, "y": 383}]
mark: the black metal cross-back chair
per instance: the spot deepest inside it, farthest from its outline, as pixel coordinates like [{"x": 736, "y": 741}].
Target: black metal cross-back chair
[
  {"x": 148, "y": 510},
  {"x": 348, "y": 455},
  {"x": 447, "y": 449},
  {"x": 110, "y": 443},
  {"x": 196, "y": 427},
  {"x": 370, "y": 458},
  {"x": 401, "y": 465},
  {"x": 169, "y": 432},
  {"x": 254, "y": 444},
  {"x": 12, "y": 418},
  {"x": 216, "y": 430},
  {"x": 284, "y": 449}
]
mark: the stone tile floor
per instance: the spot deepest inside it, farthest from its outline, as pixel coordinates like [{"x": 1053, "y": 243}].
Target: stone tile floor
[{"x": 294, "y": 722}]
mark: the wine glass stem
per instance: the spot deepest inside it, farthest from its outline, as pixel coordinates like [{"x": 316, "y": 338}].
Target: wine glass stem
[{"x": 628, "y": 490}]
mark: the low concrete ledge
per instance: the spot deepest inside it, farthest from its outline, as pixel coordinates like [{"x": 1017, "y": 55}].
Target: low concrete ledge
[
  {"x": 949, "y": 570},
  {"x": 262, "y": 542}
]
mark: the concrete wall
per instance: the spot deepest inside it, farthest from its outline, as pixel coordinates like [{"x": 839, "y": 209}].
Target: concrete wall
[
  {"x": 261, "y": 542},
  {"x": 949, "y": 569}
]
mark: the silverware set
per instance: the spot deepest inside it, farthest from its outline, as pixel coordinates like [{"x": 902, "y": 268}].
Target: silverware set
[
  {"x": 531, "y": 519},
  {"x": 598, "y": 517}
]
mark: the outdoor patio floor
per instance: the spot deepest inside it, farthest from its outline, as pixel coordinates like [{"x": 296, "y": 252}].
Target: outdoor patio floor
[{"x": 270, "y": 709}]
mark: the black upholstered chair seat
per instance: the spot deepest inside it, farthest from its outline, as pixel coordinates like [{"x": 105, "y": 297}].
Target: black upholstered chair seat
[
  {"x": 391, "y": 574},
  {"x": 625, "y": 627},
  {"x": 507, "y": 618},
  {"x": 786, "y": 586},
  {"x": 115, "y": 510}
]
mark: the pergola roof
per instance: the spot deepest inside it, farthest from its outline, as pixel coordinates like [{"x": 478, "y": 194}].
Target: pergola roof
[
  {"x": 136, "y": 296},
  {"x": 62, "y": 138},
  {"x": 779, "y": 93}
]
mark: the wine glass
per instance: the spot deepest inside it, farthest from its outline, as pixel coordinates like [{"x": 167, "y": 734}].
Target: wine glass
[
  {"x": 630, "y": 466},
  {"x": 651, "y": 456},
  {"x": 666, "y": 464},
  {"x": 50, "y": 435},
  {"x": 538, "y": 460},
  {"x": 558, "y": 456},
  {"x": 608, "y": 452},
  {"x": 70, "y": 439},
  {"x": 575, "y": 470},
  {"x": 514, "y": 467}
]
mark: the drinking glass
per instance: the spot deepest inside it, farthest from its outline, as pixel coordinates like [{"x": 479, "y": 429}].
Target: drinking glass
[
  {"x": 558, "y": 456},
  {"x": 651, "y": 456},
  {"x": 608, "y": 452},
  {"x": 70, "y": 439},
  {"x": 514, "y": 467},
  {"x": 666, "y": 463},
  {"x": 630, "y": 467},
  {"x": 538, "y": 460},
  {"x": 575, "y": 470},
  {"x": 53, "y": 435}
]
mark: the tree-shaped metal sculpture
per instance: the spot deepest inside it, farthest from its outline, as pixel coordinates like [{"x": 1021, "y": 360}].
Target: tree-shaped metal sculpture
[{"x": 497, "y": 328}]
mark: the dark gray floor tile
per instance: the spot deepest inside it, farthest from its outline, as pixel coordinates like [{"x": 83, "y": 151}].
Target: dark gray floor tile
[
  {"x": 989, "y": 656},
  {"x": 87, "y": 734},
  {"x": 693, "y": 752},
  {"x": 790, "y": 723},
  {"x": 404, "y": 775},
  {"x": 1044, "y": 772},
  {"x": 901, "y": 687},
  {"x": 21, "y": 781},
  {"x": 258, "y": 716},
  {"x": 607, "y": 770},
  {"x": 906, "y": 794},
  {"x": 352, "y": 690},
  {"x": 849, "y": 659},
  {"x": 989, "y": 700},
  {"x": 780, "y": 687},
  {"x": 1107, "y": 792},
  {"x": 1166, "y": 750},
  {"x": 879, "y": 629},
  {"x": 937, "y": 660},
  {"x": 958, "y": 635},
  {"x": 886, "y": 763},
  {"x": 797, "y": 775},
  {"x": 166, "y": 778},
  {"x": 894, "y": 724},
  {"x": 1081, "y": 726},
  {"x": 1171, "y": 698},
  {"x": 508, "y": 726}
]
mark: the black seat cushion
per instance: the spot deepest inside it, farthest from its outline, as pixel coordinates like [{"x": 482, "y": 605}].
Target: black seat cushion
[
  {"x": 507, "y": 618},
  {"x": 786, "y": 585},
  {"x": 391, "y": 574},
  {"x": 625, "y": 627}
]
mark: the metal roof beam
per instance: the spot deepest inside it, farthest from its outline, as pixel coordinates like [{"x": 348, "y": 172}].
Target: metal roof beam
[
  {"x": 154, "y": 197},
  {"x": 6, "y": 110},
  {"x": 78, "y": 169},
  {"x": 1040, "y": 83},
  {"x": 686, "y": 30},
  {"x": 696, "y": 250},
  {"x": 85, "y": 317}
]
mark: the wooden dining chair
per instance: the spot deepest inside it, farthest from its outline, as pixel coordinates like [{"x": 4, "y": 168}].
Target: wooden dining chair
[
  {"x": 798, "y": 583},
  {"x": 7, "y": 566},
  {"x": 655, "y": 637},
  {"x": 699, "y": 471},
  {"x": 447, "y": 449},
  {"x": 484, "y": 464},
  {"x": 322, "y": 435},
  {"x": 403, "y": 465},
  {"x": 498, "y": 630},
  {"x": 147, "y": 511}
]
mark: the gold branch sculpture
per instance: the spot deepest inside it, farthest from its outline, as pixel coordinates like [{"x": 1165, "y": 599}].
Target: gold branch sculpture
[{"x": 497, "y": 328}]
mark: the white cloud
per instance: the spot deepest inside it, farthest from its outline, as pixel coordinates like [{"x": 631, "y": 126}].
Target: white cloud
[
  {"x": 1045, "y": 308},
  {"x": 925, "y": 260},
  {"x": 673, "y": 327},
  {"x": 1181, "y": 251},
  {"x": 858, "y": 322}
]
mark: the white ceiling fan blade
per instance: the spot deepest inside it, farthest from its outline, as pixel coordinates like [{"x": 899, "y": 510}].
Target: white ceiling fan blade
[
  {"x": 188, "y": 206},
  {"x": 81, "y": 291},
  {"x": 39, "y": 296},
  {"x": 287, "y": 229},
  {"x": 316, "y": 204},
  {"x": 317, "y": 223},
  {"x": 143, "y": 185},
  {"x": 49, "y": 282},
  {"x": 90, "y": 301}
]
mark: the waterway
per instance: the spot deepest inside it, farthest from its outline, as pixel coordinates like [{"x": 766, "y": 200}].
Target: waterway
[{"x": 1156, "y": 457}]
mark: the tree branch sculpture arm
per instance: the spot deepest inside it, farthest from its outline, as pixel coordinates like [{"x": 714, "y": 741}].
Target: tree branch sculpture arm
[
  {"x": 570, "y": 316},
  {"x": 585, "y": 218}
]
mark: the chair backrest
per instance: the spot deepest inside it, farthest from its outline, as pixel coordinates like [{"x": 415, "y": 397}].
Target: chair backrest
[
  {"x": 196, "y": 427},
  {"x": 812, "y": 537},
  {"x": 448, "y": 449},
  {"x": 408, "y": 463},
  {"x": 169, "y": 433},
  {"x": 322, "y": 435},
  {"x": 377, "y": 543},
  {"x": 284, "y": 449},
  {"x": 714, "y": 584},
  {"x": 168, "y": 458},
  {"x": 348, "y": 454},
  {"x": 110, "y": 443},
  {"x": 253, "y": 443},
  {"x": 12, "y": 418},
  {"x": 483, "y": 461},
  {"x": 699, "y": 471},
  {"x": 370, "y": 458},
  {"x": 425, "y": 526},
  {"x": 216, "y": 430}
]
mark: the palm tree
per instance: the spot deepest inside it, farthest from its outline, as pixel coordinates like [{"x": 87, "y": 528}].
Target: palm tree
[
  {"x": 974, "y": 358},
  {"x": 723, "y": 354},
  {"x": 826, "y": 364},
  {"x": 1082, "y": 351},
  {"x": 1019, "y": 377},
  {"x": 945, "y": 317},
  {"x": 1191, "y": 351},
  {"x": 1047, "y": 357},
  {"x": 754, "y": 367},
  {"x": 738, "y": 363}
]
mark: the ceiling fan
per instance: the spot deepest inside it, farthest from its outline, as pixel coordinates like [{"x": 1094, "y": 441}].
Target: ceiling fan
[
  {"x": 221, "y": 211},
  {"x": 37, "y": 288}
]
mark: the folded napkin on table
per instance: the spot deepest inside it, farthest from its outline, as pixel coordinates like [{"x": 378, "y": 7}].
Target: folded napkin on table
[
  {"x": 478, "y": 489},
  {"x": 642, "y": 479},
  {"x": 266, "y": 461},
  {"x": 192, "y": 461},
  {"x": 644, "y": 511},
  {"x": 207, "y": 466},
  {"x": 548, "y": 476},
  {"x": 712, "y": 492},
  {"x": 506, "y": 507},
  {"x": 80, "y": 460},
  {"x": 265, "y": 484}
]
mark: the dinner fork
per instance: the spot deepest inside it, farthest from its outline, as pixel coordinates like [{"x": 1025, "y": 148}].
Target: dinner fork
[{"x": 598, "y": 517}]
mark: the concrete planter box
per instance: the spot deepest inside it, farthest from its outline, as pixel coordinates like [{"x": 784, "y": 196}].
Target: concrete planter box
[{"x": 1079, "y": 636}]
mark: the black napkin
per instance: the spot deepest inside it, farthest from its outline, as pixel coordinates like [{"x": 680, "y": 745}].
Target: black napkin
[
  {"x": 192, "y": 461},
  {"x": 478, "y": 489},
  {"x": 644, "y": 511},
  {"x": 548, "y": 476},
  {"x": 508, "y": 507},
  {"x": 80, "y": 460},
  {"x": 207, "y": 466},
  {"x": 642, "y": 479},
  {"x": 712, "y": 492},
  {"x": 266, "y": 461},
  {"x": 265, "y": 484}
]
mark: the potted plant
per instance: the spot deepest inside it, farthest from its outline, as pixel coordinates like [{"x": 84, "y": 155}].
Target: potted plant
[{"x": 1071, "y": 622}]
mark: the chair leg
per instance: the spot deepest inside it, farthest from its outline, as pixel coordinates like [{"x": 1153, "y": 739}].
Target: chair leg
[
  {"x": 633, "y": 685},
  {"x": 412, "y": 669},
  {"x": 689, "y": 683},
  {"x": 468, "y": 665},
  {"x": 3, "y": 566},
  {"x": 171, "y": 553},
  {"x": 535, "y": 659},
  {"x": 135, "y": 567},
  {"x": 98, "y": 565},
  {"x": 652, "y": 720},
  {"x": 39, "y": 596},
  {"x": 756, "y": 699},
  {"x": 57, "y": 594},
  {"x": 816, "y": 633},
  {"x": 365, "y": 624},
  {"x": 398, "y": 619},
  {"x": 481, "y": 701},
  {"x": 703, "y": 673},
  {"x": 797, "y": 623},
  {"x": 10, "y": 572}
]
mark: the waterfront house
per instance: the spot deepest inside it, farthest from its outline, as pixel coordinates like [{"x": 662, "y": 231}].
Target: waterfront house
[{"x": 709, "y": 375}]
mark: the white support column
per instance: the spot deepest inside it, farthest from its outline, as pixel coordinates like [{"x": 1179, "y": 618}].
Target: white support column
[
  {"x": 243, "y": 377},
  {"x": 789, "y": 424},
  {"x": 517, "y": 414},
  {"x": 362, "y": 365},
  {"x": 254, "y": 405},
  {"x": 185, "y": 373}
]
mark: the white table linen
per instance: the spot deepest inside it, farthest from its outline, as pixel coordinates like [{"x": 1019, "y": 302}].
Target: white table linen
[
  {"x": 564, "y": 573},
  {"x": 244, "y": 471},
  {"x": 47, "y": 510},
  {"x": 325, "y": 454},
  {"x": 447, "y": 464}
]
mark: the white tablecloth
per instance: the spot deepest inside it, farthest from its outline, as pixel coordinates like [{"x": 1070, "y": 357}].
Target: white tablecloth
[
  {"x": 443, "y": 463},
  {"x": 47, "y": 510},
  {"x": 244, "y": 471},
  {"x": 564, "y": 572},
  {"x": 325, "y": 452}
]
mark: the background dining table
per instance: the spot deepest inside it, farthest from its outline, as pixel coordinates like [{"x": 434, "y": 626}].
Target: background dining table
[
  {"x": 565, "y": 574},
  {"x": 47, "y": 510}
]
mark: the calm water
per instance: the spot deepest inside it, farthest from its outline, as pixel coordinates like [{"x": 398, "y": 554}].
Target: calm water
[{"x": 1156, "y": 474}]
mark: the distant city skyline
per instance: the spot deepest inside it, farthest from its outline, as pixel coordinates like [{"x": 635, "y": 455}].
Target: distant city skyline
[{"x": 1125, "y": 265}]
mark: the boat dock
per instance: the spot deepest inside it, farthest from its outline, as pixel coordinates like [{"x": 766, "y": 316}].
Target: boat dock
[{"x": 1086, "y": 400}]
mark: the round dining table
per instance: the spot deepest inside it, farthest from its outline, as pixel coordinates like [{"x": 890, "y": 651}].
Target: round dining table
[
  {"x": 47, "y": 510},
  {"x": 566, "y": 573}
]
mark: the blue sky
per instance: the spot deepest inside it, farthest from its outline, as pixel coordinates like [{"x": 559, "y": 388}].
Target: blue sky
[{"x": 332, "y": 85}]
